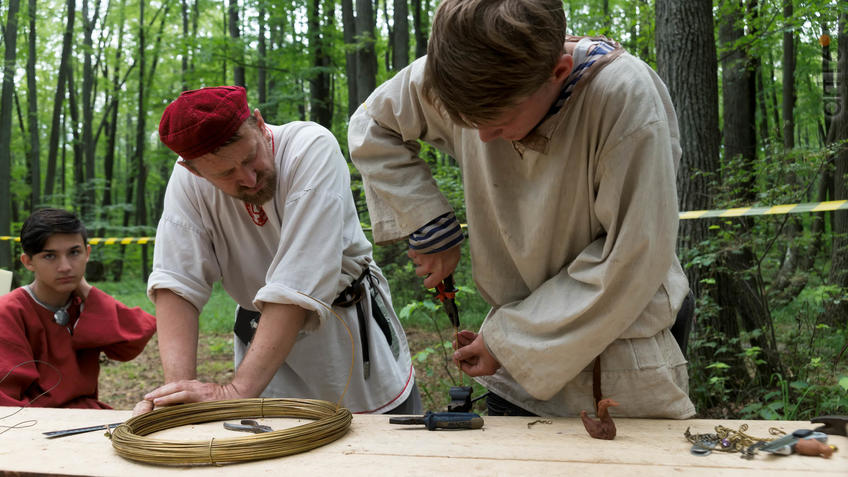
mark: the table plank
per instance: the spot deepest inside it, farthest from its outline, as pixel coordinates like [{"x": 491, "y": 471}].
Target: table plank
[{"x": 505, "y": 446}]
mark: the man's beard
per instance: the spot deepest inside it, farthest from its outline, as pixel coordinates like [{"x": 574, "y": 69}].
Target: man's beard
[{"x": 265, "y": 193}]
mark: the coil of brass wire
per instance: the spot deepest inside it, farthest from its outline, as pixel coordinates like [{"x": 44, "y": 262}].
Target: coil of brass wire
[{"x": 330, "y": 422}]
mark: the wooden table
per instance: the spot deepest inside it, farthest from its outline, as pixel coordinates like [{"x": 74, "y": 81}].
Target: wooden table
[{"x": 505, "y": 446}]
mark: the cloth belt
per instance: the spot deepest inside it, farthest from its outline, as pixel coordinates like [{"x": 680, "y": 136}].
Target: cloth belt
[{"x": 247, "y": 320}]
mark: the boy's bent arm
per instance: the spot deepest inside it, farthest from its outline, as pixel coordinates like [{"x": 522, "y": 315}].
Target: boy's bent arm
[{"x": 176, "y": 323}]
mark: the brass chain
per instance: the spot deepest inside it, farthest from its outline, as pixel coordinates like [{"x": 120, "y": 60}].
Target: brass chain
[{"x": 725, "y": 439}]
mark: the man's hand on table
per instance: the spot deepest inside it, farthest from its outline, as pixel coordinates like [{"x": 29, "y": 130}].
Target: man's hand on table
[
  {"x": 185, "y": 391},
  {"x": 472, "y": 356}
]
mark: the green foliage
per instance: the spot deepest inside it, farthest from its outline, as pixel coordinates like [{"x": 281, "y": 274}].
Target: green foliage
[{"x": 217, "y": 317}]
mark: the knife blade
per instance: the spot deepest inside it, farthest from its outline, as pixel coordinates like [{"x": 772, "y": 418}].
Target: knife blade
[{"x": 80, "y": 430}]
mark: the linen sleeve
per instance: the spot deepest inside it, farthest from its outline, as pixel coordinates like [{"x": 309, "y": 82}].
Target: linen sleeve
[
  {"x": 316, "y": 226},
  {"x": 383, "y": 136},
  {"x": 545, "y": 340},
  {"x": 119, "y": 331},
  {"x": 183, "y": 258}
]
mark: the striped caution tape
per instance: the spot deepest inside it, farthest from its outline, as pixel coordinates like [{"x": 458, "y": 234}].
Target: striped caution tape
[
  {"x": 689, "y": 215},
  {"x": 101, "y": 240},
  {"x": 768, "y": 210}
]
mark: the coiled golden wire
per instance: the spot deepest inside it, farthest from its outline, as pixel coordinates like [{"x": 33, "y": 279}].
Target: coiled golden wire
[{"x": 330, "y": 423}]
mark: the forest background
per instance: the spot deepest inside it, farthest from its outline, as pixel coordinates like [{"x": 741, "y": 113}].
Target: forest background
[{"x": 760, "y": 88}]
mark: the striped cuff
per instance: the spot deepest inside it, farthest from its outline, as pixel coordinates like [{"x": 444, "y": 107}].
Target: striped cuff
[{"x": 438, "y": 235}]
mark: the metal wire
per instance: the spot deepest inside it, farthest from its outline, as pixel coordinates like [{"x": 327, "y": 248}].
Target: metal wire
[
  {"x": 332, "y": 421},
  {"x": 130, "y": 441}
]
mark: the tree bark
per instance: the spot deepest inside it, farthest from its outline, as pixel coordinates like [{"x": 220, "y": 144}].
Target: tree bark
[
  {"x": 261, "y": 71},
  {"x": 418, "y": 22},
  {"x": 686, "y": 60},
  {"x": 366, "y": 54},
  {"x": 793, "y": 228},
  {"x": 235, "y": 34},
  {"x": 836, "y": 313},
  {"x": 349, "y": 25},
  {"x": 400, "y": 41},
  {"x": 320, "y": 95},
  {"x": 32, "y": 113},
  {"x": 88, "y": 143},
  {"x": 9, "y": 61},
  {"x": 112, "y": 122},
  {"x": 184, "y": 9},
  {"x": 740, "y": 294},
  {"x": 59, "y": 100}
]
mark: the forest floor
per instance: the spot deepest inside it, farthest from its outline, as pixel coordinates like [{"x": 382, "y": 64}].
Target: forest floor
[{"x": 122, "y": 385}]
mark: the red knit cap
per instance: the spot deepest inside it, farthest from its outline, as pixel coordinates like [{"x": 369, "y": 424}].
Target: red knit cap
[{"x": 201, "y": 120}]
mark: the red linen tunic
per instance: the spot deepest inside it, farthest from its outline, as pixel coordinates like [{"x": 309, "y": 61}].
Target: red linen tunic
[{"x": 28, "y": 332}]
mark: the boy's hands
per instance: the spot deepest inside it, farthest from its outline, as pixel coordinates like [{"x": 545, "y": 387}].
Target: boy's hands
[
  {"x": 435, "y": 266},
  {"x": 472, "y": 356}
]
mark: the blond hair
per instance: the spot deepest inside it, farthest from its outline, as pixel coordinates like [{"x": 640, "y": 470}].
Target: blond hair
[{"x": 485, "y": 56}]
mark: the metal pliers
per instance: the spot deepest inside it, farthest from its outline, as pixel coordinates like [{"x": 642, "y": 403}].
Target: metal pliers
[
  {"x": 248, "y": 425},
  {"x": 447, "y": 294}
]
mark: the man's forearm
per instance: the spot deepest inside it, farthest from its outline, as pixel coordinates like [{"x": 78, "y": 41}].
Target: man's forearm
[
  {"x": 176, "y": 323},
  {"x": 270, "y": 347}
]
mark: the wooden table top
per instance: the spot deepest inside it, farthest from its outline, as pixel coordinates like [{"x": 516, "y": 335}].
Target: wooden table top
[{"x": 372, "y": 446}]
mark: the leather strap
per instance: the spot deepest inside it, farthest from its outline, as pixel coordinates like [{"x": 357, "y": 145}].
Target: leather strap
[{"x": 596, "y": 382}]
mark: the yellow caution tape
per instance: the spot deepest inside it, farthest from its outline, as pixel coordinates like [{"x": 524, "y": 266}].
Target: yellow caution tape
[
  {"x": 692, "y": 214},
  {"x": 769, "y": 210}
]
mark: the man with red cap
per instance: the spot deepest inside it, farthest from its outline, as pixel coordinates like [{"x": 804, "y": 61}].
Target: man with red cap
[{"x": 267, "y": 211}]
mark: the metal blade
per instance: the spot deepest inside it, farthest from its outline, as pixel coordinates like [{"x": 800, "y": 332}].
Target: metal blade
[{"x": 80, "y": 430}]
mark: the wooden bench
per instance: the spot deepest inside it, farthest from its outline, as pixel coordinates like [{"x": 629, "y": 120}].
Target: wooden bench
[{"x": 372, "y": 446}]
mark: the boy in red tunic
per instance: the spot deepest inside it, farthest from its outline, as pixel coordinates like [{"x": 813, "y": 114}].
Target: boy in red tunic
[{"x": 53, "y": 330}]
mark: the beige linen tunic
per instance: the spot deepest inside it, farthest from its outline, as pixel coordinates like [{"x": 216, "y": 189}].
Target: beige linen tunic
[
  {"x": 304, "y": 247},
  {"x": 572, "y": 233}
]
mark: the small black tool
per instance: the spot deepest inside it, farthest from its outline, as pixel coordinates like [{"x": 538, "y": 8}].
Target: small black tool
[
  {"x": 460, "y": 399},
  {"x": 833, "y": 425},
  {"x": 446, "y": 295},
  {"x": 70, "y": 432},
  {"x": 442, "y": 420}
]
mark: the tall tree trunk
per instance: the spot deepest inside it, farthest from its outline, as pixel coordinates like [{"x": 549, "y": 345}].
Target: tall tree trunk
[
  {"x": 88, "y": 144},
  {"x": 59, "y": 99},
  {"x": 740, "y": 291},
  {"x": 320, "y": 96},
  {"x": 112, "y": 122},
  {"x": 9, "y": 62},
  {"x": 366, "y": 54},
  {"x": 32, "y": 113},
  {"x": 235, "y": 33},
  {"x": 73, "y": 109},
  {"x": 686, "y": 60},
  {"x": 400, "y": 41},
  {"x": 793, "y": 228},
  {"x": 140, "y": 166},
  {"x": 184, "y": 12},
  {"x": 607, "y": 18},
  {"x": 349, "y": 25},
  {"x": 418, "y": 22},
  {"x": 261, "y": 72},
  {"x": 836, "y": 314}
]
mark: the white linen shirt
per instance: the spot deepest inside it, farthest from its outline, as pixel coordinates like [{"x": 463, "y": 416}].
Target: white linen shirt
[
  {"x": 572, "y": 233},
  {"x": 306, "y": 240}
]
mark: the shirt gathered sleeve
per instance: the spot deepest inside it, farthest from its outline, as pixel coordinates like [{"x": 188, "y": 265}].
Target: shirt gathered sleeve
[
  {"x": 184, "y": 259},
  {"x": 438, "y": 235},
  {"x": 119, "y": 331},
  {"x": 545, "y": 340},
  {"x": 307, "y": 265},
  {"x": 383, "y": 138}
]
